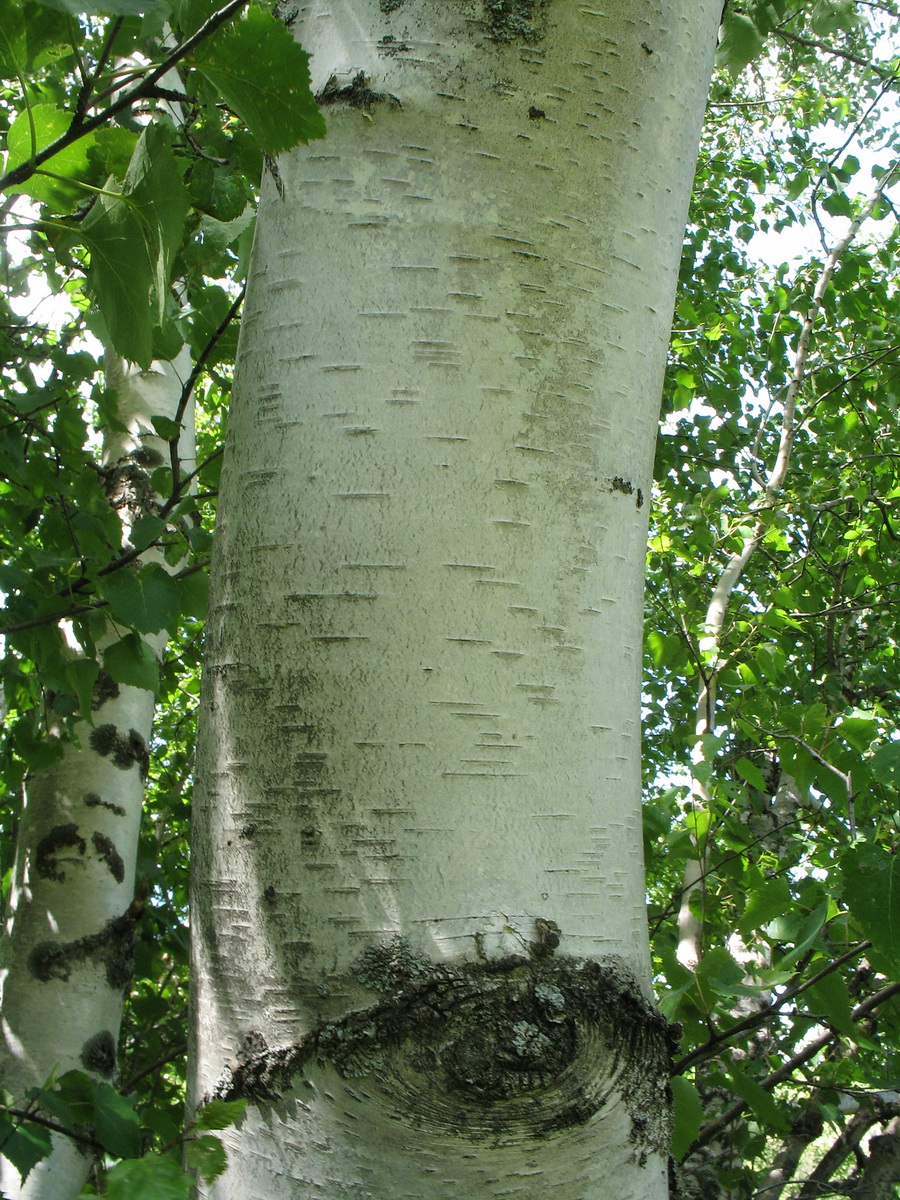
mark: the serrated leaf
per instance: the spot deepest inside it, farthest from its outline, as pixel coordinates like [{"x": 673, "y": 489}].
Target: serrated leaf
[
  {"x": 830, "y": 997},
  {"x": 133, "y": 233},
  {"x": 263, "y": 76},
  {"x": 147, "y": 600},
  {"x": 117, "y": 1125},
  {"x": 764, "y": 904},
  {"x": 871, "y": 879},
  {"x": 194, "y": 603},
  {"x": 154, "y": 185},
  {"x": 24, "y": 1145},
  {"x": 145, "y": 530},
  {"x": 750, "y": 773},
  {"x": 885, "y": 764},
  {"x": 219, "y": 1114},
  {"x": 12, "y": 40},
  {"x": 132, "y": 662},
  {"x": 206, "y": 1155},
  {"x": 759, "y": 1100},
  {"x": 166, "y": 427},
  {"x": 121, "y": 276},
  {"x": 78, "y": 1091},
  {"x": 687, "y": 1115},
  {"x": 152, "y": 1177},
  {"x": 719, "y": 971},
  {"x": 740, "y": 42},
  {"x": 70, "y": 164}
]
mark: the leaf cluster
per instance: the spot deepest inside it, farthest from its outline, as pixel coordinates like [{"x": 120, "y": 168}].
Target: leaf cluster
[{"x": 790, "y": 1020}]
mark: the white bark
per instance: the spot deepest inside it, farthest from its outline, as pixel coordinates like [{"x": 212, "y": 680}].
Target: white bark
[
  {"x": 67, "y": 953},
  {"x": 421, "y": 751}
]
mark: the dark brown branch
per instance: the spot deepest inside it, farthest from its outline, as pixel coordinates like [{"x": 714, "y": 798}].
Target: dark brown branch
[
  {"x": 79, "y": 128},
  {"x": 715, "y": 1127}
]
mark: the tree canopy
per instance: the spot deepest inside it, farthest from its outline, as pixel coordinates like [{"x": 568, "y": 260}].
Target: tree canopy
[{"x": 135, "y": 134}]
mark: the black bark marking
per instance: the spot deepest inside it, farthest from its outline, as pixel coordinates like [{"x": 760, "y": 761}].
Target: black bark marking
[
  {"x": 125, "y": 749},
  {"x": 107, "y": 851},
  {"x": 92, "y": 800},
  {"x": 536, "y": 114},
  {"x": 50, "y": 855},
  {"x": 105, "y": 689},
  {"x": 99, "y": 1053},
  {"x": 112, "y": 946},
  {"x": 524, "y": 1045},
  {"x": 622, "y": 485},
  {"x": 357, "y": 94},
  {"x": 389, "y": 6}
]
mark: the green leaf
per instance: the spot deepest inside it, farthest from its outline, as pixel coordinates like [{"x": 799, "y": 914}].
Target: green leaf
[
  {"x": 153, "y": 1177},
  {"x": 751, "y": 774},
  {"x": 687, "y": 1115},
  {"x": 118, "y": 1126},
  {"x": 78, "y": 1091},
  {"x": 70, "y": 164},
  {"x": 719, "y": 971},
  {"x": 12, "y": 39},
  {"x": 206, "y": 1155},
  {"x": 760, "y": 1101},
  {"x": 194, "y": 603},
  {"x": 132, "y": 662},
  {"x": 166, "y": 427},
  {"x": 831, "y": 998},
  {"x": 871, "y": 878},
  {"x": 145, "y": 530},
  {"x": 263, "y": 75},
  {"x": 82, "y": 674},
  {"x": 147, "y": 600},
  {"x": 24, "y": 1144},
  {"x": 133, "y": 237},
  {"x": 219, "y": 1114},
  {"x": 740, "y": 42},
  {"x": 111, "y": 7},
  {"x": 154, "y": 184},
  {"x": 121, "y": 276},
  {"x": 772, "y": 899},
  {"x": 885, "y": 764}
]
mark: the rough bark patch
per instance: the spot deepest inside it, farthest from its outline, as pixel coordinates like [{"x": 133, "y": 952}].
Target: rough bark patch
[
  {"x": 51, "y": 852},
  {"x": 515, "y": 20},
  {"x": 520, "y": 1046},
  {"x": 92, "y": 800},
  {"x": 105, "y": 689},
  {"x": 107, "y": 851},
  {"x": 99, "y": 1053},
  {"x": 357, "y": 93},
  {"x": 112, "y": 946},
  {"x": 125, "y": 749}
]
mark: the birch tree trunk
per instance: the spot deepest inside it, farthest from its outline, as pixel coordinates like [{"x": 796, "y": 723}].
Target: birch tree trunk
[
  {"x": 418, "y": 895},
  {"x": 67, "y": 953}
]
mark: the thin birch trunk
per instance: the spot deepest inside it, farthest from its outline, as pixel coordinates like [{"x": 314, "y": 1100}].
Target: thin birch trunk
[{"x": 67, "y": 954}]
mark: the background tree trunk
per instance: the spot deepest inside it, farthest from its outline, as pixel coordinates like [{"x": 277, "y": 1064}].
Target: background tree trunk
[
  {"x": 418, "y": 898},
  {"x": 67, "y": 958}
]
